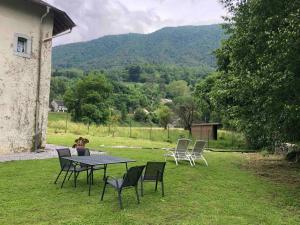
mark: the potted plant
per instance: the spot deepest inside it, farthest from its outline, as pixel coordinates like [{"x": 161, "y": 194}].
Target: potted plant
[{"x": 80, "y": 145}]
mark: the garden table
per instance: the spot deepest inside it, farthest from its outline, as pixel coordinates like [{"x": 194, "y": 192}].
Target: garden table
[{"x": 95, "y": 160}]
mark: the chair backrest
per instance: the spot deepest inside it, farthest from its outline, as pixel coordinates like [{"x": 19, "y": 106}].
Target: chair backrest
[
  {"x": 131, "y": 178},
  {"x": 182, "y": 145},
  {"x": 83, "y": 152},
  {"x": 154, "y": 170},
  {"x": 199, "y": 147},
  {"x": 64, "y": 152}
]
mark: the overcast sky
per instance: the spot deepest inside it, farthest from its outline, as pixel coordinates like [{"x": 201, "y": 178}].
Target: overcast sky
[{"x": 96, "y": 18}]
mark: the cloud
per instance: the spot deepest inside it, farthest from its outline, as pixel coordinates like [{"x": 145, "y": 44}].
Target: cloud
[{"x": 96, "y": 18}]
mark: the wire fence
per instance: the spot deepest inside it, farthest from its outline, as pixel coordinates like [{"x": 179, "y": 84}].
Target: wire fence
[{"x": 228, "y": 140}]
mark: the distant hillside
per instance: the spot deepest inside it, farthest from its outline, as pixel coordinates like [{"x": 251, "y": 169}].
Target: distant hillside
[{"x": 183, "y": 46}]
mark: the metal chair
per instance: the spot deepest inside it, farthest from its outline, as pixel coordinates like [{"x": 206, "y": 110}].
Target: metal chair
[
  {"x": 68, "y": 166},
  {"x": 154, "y": 172},
  {"x": 180, "y": 152},
  {"x": 197, "y": 152},
  {"x": 130, "y": 179}
]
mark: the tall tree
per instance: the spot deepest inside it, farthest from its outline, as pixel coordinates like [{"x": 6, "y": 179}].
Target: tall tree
[
  {"x": 259, "y": 63},
  {"x": 165, "y": 116},
  {"x": 177, "y": 88},
  {"x": 185, "y": 108},
  {"x": 88, "y": 99}
]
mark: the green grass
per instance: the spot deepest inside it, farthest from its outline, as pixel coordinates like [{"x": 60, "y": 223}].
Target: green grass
[
  {"x": 219, "y": 194},
  {"x": 57, "y": 125}
]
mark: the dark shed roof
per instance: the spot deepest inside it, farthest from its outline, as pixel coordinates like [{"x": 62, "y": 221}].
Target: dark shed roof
[{"x": 62, "y": 22}]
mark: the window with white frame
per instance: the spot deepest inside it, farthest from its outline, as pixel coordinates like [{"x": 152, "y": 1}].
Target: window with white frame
[{"x": 22, "y": 45}]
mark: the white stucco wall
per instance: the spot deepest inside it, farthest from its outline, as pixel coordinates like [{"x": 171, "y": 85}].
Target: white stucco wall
[{"x": 19, "y": 76}]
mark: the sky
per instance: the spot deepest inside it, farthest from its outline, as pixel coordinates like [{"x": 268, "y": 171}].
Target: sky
[{"x": 97, "y": 18}]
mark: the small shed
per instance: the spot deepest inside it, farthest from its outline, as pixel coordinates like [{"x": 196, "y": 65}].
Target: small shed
[{"x": 205, "y": 131}]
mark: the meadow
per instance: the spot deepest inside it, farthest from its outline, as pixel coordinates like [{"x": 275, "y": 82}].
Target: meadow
[
  {"x": 235, "y": 188},
  {"x": 60, "y": 125},
  {"x": 222, "y": 193}
]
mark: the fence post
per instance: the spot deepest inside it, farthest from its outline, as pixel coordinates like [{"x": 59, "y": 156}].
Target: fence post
[
  {"x": 168, "y": 132},
  {"x": 208, "y": 134},
  {"x": 130, "y": 129},
  {"x": 231, "y": 139},
  {"x": 150, "y": 131},
  {"x": 66, "y": 127}
]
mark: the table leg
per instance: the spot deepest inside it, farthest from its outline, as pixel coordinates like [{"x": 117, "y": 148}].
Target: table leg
[
  {"x": 126, "y": 167},
  {"x": 104, "y": 172},
  {"x": 91, "y": 179}
]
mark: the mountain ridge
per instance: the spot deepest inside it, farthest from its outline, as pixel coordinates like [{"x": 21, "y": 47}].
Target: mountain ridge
[{"x": 181, "y": 46}]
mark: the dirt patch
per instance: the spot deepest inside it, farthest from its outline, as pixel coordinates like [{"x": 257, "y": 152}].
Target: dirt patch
[{"x": 273, "y": 168}]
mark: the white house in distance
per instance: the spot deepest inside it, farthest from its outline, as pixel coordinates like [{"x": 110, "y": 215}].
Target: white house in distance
[
  {"x": 27, "y": 28},
  {"x": 58, "y": 106}
]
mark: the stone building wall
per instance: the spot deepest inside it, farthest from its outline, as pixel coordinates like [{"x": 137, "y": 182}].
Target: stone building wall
[{"x": 19, "y": 75}]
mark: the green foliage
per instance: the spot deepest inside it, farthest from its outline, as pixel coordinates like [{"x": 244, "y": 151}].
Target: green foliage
[
  {"x": 259, "y": 86},
  {"x": 204, "y": 96},
  {"x": 167, "y": 46},
  {"x": 177, "y": 88},
  {"x": 185, "y": 108},
  {"x": 165, "y": 115},
  {"x": 141, "y": 115},
  {"x": 58, "y": 87},
  {"x": 88, "y": 99}
]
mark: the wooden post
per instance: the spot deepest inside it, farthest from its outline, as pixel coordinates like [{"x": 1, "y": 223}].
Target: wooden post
[
  {"x": 66, "y": 127},
  {"x": 150, "y": 131},
  {"x": 208, "y": 134},
  {"x": 130, "y": 128}
]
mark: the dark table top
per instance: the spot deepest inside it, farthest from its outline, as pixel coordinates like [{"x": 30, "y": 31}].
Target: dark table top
[{"x": 94, "y": 160}]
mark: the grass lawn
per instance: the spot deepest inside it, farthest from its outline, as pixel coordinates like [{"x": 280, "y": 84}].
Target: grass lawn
[{"x": 223, "y": 193}]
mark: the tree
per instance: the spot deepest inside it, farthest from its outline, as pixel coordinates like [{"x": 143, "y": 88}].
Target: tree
[
  {"x": 141, "y": 115},
  {"x": 177, "y": 88},
  {"x": 58, "y": 88},
  {"x": 259, "y": 86},
  {"x": 165, "y": 115},
  {"x": 203, "y": 93},
  {"x": 134, "y": 73},
  {"x": 88, "y": 99},
  {"x": 185, "y": 108}
]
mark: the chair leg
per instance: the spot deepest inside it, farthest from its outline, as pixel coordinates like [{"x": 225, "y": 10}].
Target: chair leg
[
  {"x": 204, "y": 160},
  {"x": 75, "y": 179},
  {"x": 191, "y": 162},
  {"x": 162, "y": 189},
  {"x": 142, "y": 188},
  {"x": 103, "y": 191},
  {"x": 137, "y": 194},
  {"x": 62, "y": 184},
  {"x": 87, "y": 176},
  {"x": 120, "y": 199},
  {"x": 70, "y": 175},
  {"x": 176, "y": 161},
  {"x": 58, "y": 176},
  {"x": 156, "y": 185}
]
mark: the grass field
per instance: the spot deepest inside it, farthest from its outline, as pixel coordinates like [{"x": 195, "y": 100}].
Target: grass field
[
  {"x": 140, "y": 134},
  {"x": 236, "y": 188},
  {"x": 222, "y": 193}
]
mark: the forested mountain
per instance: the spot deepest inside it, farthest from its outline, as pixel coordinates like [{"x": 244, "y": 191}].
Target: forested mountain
[{"x": 182, "y": 46}]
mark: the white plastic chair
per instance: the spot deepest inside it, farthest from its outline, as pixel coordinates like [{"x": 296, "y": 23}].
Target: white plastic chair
[
  {"x": 197, "y": 152},
  {"x": 180, "y": 152}
]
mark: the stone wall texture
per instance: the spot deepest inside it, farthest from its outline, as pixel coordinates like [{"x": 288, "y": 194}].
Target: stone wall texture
[{"x": 19, "y": 76}]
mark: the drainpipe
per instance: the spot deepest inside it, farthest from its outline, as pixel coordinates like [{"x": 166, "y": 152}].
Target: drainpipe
[{"x": 37, "y": 108}]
